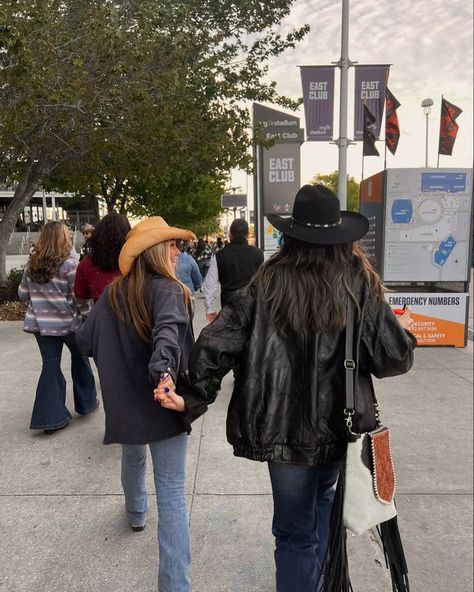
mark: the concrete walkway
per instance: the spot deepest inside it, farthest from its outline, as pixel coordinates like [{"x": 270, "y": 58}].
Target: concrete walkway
[{"x": 62, "y": 522}]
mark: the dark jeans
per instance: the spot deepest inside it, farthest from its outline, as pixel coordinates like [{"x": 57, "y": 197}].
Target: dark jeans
[
  {"x": 50, "y": 411},
  {"x": 203, "y": 268},
  {"x": 302, "y": 502}
]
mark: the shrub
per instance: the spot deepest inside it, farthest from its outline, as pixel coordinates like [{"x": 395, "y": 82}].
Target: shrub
[
  {"x": 14, "y": 278},
  {"x": 9, "y": 293},
  {"x": 12, "y": 311}
]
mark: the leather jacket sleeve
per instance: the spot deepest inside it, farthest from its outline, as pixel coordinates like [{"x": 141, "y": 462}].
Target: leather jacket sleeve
[
  {"x": 386, "y": 349},
  {"x": 218, "y": 350}
]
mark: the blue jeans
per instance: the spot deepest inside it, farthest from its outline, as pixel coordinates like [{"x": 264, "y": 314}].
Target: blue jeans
[
  {"x": 302, "y": 502},
  {"x": 168, "y": 458},
  {"x": 50, "y": 411}
]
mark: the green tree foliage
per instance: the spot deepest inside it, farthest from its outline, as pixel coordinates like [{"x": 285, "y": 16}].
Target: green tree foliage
[
  {"x": 330, "y": 180},
  {"x": 97, "y": 97}
]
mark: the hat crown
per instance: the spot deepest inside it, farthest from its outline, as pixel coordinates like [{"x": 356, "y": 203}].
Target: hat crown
[
  {"x": 315, "y": 205},
  {"x": 147, "y": 224}
]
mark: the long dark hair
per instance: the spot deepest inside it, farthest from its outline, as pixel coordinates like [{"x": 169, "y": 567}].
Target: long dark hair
[
  {"x": 51, "y": 250},
  {"x": 306, "y": 286},
  {"x": 108, "y": 239}
]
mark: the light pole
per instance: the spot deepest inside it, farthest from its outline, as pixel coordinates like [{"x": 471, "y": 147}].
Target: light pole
[{"x": 426, "y": 104}]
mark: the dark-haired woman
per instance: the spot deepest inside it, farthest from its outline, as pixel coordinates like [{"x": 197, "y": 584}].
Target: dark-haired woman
[
  {"x": 140, "y": 334},
  {"x": 286, "y": 338},
  {"x": 100, "y": 267},
  {"x": 53, "y": 316},
  {"x": 203, "y": 254}
]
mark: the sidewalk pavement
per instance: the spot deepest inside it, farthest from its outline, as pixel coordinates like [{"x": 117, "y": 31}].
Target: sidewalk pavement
[{"x": 62, "y": 522}]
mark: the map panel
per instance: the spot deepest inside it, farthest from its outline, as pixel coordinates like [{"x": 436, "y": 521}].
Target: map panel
[{"x": 427, "y": 225}]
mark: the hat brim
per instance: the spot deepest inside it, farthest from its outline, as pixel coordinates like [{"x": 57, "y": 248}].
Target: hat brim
[
  {"x": 146, "y": 239},
  {"x": 353, "y": 227}
]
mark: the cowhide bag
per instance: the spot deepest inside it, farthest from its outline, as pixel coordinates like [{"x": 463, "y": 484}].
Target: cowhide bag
[
  {"x": 365, "y": 493},
  {"x": 369, "y": 474}
]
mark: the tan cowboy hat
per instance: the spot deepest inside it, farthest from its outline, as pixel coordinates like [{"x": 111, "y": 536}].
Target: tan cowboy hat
[{"x": 144, "y": 235}]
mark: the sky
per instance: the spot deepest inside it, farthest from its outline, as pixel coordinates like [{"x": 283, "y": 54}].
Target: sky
[{"x": 429, "y": 44}]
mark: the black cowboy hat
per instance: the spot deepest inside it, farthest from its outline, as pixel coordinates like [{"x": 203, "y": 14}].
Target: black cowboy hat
[{"x": 317, "y": 219}]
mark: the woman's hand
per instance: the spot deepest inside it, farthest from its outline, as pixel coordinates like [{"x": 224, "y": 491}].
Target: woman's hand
[
  {"x": 168, "y": 398},
  {"x": 405, "y": 319}
]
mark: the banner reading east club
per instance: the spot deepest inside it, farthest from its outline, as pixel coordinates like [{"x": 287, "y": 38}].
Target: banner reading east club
[
  {"x": 370, "y": 85},
  {"x": 318, "y": 97}
]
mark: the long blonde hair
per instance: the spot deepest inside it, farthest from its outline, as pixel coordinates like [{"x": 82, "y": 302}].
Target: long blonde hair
[
  {"x": 51, "y": 249},
  {"x": 130, "y": 303}
]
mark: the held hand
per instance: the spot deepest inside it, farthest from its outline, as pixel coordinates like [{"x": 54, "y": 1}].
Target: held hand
[
  {"x": 211, "y": 316},
  {"x": 167, "y": 382},
  {"x": 169, "y": 399},
  {"x": 405, "y": 319}
]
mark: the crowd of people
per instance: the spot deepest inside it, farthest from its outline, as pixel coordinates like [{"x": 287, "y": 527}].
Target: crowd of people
[{"x": 128, "y": 304}]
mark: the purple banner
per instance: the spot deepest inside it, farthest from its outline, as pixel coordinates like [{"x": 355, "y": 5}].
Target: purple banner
[
  {"x": 318, "y": 96},
  {"x": 370, "y": 85}
]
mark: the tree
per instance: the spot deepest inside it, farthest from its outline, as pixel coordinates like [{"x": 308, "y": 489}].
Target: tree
[
  {"x": 330, "y": 180},
  {"x": 98, "y": 96}
]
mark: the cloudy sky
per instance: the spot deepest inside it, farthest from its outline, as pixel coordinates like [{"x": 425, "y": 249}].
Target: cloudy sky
[{"x": 429, "y": 44}]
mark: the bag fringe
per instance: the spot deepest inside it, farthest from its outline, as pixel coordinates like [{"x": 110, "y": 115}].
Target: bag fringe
[
  {"x": 394, "y": 554},
  {"x": 335, "y": 569}
]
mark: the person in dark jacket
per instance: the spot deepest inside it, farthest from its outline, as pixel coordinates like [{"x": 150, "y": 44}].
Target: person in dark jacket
[
  {"x": 285, "y": 336},
  {"x": 231, "y": 268},
  {"x": 140, "y": 335}
]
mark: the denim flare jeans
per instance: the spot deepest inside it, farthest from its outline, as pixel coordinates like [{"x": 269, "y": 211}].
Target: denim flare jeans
[
  {"x": 50, "y": 411},
  {"x": 302, "y": 502},
  {"x": 168, "y": 458}
]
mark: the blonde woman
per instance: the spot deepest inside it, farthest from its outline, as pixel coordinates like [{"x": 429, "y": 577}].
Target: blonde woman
[
  {"x": 140, "y": 335},
  {"x": 52, "y": 316}
]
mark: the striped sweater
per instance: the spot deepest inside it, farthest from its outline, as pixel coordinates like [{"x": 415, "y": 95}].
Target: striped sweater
[{"x": 52, "y": 309}]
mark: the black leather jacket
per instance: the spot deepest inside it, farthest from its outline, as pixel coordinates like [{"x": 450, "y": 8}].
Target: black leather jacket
[{"x": 288, "y": 399}]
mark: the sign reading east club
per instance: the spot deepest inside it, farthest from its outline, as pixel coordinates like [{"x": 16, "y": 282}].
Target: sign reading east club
[
  {"x": 281, "y": 178},
  {"x": 273, "y": 124},
  {"x": 318, "y": 97}
]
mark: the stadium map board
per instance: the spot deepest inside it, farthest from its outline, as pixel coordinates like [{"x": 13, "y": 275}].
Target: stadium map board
[{"x": 420, "y": 223}]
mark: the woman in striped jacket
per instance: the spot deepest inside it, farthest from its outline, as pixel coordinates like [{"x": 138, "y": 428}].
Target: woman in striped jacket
[{"x": 53, "y": 317}]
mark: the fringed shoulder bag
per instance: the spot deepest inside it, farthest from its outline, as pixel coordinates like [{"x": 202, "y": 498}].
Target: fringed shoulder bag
[{"x": 365, "y": 491}]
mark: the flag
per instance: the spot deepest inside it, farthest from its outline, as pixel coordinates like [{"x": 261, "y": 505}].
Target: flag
[
  {"x": 448, "y": 128},
  {"x": 392, "y": 130},
  {"x": 369, "y": 148}
]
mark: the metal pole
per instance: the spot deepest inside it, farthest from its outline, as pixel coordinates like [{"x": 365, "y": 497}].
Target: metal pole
[
  {"x": 45, "y": 212},
  {"x": 342, "y": 140},
  {"x": 426, "y": 144}
]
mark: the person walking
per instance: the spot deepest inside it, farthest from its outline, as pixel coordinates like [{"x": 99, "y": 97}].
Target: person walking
[
  {"x": 285, "y": 337},
  {"x": 100, "y": 267},
  {"x": 140, "y": 335},
  {"x": 202, "y": 255},
  {"x": 231, "y": 267},
  {"x": 87, "y": 232},
  {"x": 52, "y": 316},
  {"x": 187, "y": 270}
]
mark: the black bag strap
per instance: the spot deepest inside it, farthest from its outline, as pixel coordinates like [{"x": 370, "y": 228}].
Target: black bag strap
[{"x": 349, "y": 364}]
